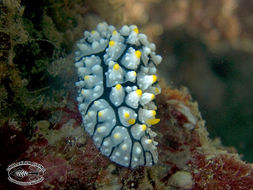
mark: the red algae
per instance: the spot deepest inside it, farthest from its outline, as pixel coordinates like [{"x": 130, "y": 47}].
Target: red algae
[
  {"x": 221, "y": 172},
  {"x": 181, "y": 149},
  {"x": 188, "y": 159}
]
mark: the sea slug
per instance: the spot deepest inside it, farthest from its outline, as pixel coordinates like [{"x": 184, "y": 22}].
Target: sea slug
[{"x": 116, "y": 91}]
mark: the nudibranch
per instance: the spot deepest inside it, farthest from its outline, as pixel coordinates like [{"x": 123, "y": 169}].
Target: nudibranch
[{"x": 116, "y": 91}]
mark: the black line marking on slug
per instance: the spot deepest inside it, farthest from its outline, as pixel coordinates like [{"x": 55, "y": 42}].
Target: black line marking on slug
[
  {"x": 114, "y": 147},
  {"x": 151, "y": 156},
  {"x": 127, "y": 83},
  {"x": 131, "y": 151},
  {"x": 143, "y": 151},
  {"x": 106, "y": 96}
]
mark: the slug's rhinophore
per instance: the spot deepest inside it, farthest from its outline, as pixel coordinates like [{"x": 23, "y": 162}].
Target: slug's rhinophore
[{"x": 117, "y": 85}]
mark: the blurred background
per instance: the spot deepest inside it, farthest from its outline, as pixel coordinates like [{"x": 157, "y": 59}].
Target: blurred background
[{"x": 206, "y": 45}]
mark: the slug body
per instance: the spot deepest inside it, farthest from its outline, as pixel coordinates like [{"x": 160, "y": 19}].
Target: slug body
[{"x": 116, "y": 88}]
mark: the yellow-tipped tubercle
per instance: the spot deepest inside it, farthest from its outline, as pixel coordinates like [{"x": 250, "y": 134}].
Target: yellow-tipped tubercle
[
  {"x": 153, "y": 112},
  {"x": 114, "y": 32},
  {"x": 111, "y": 43},
  {"x": 124, "y": 147},
  {"x": 86, "y": 77},
  {"x": 99, "y": 129},
  {"x": 143, "y": 127},
  {"x": 153, "y": 121},
  {"x": 100, "y": 113},
  {"x": 116, "y": 136},
  {"x": 154, "y": 77},
  {"x": 136, "y": 30},
  {"x": 118, "y": 86},
  {"x": 131, "y": 121},
  {"x": 138, "y": 53},
  {"x": 139, "y": 92},
  {"x": 126, "y": 115},
  {"x": 116, "y": 66},
  {"x": 149, "y": 141}
]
